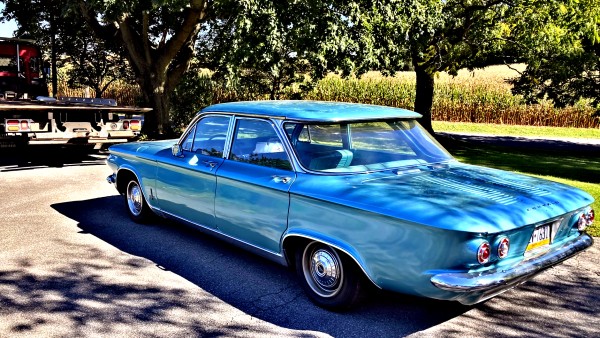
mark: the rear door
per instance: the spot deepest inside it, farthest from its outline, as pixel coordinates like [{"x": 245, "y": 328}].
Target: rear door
[
  {"x": 186, "y": 184},
  {"x": 252, "y": 198}
]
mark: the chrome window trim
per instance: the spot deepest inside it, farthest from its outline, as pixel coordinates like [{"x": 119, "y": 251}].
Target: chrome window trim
[
  {"x": 193, "y": 125},
  {"x": 277, "y": 128}
]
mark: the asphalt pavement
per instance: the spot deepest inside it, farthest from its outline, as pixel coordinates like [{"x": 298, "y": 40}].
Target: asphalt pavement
[{"x": 74, "y": 265}]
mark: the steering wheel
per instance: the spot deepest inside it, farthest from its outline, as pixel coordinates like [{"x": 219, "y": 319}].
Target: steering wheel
[{"x": 217, "y": 136}]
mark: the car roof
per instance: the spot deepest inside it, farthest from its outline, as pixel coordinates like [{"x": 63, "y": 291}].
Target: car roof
[{"x": 312, "y": 111}]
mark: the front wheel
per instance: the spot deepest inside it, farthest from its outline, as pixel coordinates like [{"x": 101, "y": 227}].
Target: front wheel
[
  {"x": 137, "y": 208},
  {"x": 331, "y": 280}
]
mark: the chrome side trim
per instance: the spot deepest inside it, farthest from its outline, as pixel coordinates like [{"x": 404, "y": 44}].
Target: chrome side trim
[
  {"x": 273, "y": 256},
  {"x": 492, "y": 282},
  {"x": 336, "y": 247}
]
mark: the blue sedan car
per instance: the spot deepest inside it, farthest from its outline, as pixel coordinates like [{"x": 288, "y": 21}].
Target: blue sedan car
[{"x": 351, "y": 194}]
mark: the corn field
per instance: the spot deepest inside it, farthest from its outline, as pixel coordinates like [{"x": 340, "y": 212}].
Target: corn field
[
  {"x": 125, "y": 94},
  {"x": 479, "y": 97},
  {"x": 456, "y": 101}
]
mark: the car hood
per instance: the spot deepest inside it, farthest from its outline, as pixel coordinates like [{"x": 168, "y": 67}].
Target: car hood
[
  {"x": 144, "y": 149},
  {"x": 450, "y": 196}
]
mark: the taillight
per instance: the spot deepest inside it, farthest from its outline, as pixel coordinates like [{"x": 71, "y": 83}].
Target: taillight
[
  {"x": 586, "y": 219},
  {"x": 12, "y": 125},
  {"x": 503, "y": 247},
  {"x": 125, "y": 125},
  {"x": 483, "y": 253},
  {"x": 135, "y": 125},
  {"x": 17, "y": 125}
]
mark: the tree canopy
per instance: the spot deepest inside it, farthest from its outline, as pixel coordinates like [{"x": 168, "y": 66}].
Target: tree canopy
[
  {"x": 270, "y": 45},
  {"x": 559, "y": 42}
]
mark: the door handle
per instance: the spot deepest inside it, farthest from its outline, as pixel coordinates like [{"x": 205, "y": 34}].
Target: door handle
[
  {"x": 281, "y": 179},
  {"x": 210, "y": 164}
]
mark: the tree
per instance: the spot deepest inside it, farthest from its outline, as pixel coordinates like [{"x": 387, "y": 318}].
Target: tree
[
  {"x": 271, "y": 45},
  {"x": 97, "y": 64},
  {"x": 434, "y": 36},
  {"x": 562, "y": 51},
  {"x": 158, "y": 38}
]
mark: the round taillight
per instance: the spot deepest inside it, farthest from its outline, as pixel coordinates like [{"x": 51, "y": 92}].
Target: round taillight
[
  {"x": 586, "y": 219},
  {"x": 503, "y": 247},
  {"x": 483, "y": 253},
  {"x": 582, "y": 223}
]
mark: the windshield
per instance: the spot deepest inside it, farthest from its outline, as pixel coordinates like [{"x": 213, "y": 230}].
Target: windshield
[{"x": 363, "y": 146}]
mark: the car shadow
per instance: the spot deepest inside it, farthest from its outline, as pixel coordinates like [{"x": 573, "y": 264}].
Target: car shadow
[
  {"x": 250, "y": 283},
  {"x": 49, "y": 156}
]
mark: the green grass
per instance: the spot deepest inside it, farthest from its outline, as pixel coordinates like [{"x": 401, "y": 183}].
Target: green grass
[
  {"x": 514, "y": 130},
  {"x": 576, "y": 168}
]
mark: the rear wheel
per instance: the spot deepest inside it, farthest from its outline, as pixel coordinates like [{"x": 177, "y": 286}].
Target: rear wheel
[
  {"x": 331, "y": 280},
  {"x": 137, "y": 208}
]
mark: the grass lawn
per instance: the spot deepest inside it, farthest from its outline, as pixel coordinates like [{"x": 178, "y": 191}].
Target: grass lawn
[
  {"x": 511, "y": 130},
  {"x": 575, "y": 168}
]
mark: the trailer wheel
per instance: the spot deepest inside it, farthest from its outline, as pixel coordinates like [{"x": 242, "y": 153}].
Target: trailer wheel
[{"x": 137, "y": 208}]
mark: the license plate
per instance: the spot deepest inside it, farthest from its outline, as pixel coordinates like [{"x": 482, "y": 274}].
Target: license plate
[{"x": 539, "y": 237}]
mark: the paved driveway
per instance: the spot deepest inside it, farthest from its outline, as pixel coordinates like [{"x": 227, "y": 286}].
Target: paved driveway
[{"x": 74, "y": 265}]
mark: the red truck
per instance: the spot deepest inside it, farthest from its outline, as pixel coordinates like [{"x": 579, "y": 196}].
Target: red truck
[{"x": 28, "y": 115}]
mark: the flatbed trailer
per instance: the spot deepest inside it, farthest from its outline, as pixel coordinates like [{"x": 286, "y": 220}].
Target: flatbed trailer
[{"x": 67, "y": 121}]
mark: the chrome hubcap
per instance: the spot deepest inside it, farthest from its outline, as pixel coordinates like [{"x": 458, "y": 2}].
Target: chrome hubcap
[
  {"x": 322, "y": 270},
  {"x": 134, "y": 198}
]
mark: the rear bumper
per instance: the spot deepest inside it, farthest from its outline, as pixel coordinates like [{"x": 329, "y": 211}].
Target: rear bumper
[{"x": 471, "y": 288}]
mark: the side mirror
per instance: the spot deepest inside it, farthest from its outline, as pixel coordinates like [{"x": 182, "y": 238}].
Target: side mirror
[{"x": 176, "y": 150}]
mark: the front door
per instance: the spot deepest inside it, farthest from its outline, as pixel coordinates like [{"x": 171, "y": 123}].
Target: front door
[{"x": 186, "y": 185}]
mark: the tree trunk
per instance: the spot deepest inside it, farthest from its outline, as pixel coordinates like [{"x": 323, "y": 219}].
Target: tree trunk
[
  {"x": 158, "y": 65},
  {"x": 424, "y": 95},
  {"x": 53, "y": 55},
  {"x": 156, "y": 122}
]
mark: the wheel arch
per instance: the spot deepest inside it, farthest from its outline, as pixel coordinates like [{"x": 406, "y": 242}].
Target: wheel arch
[
  {"x": 123, "y": 177},
  {"x": 296, "y": 239}
]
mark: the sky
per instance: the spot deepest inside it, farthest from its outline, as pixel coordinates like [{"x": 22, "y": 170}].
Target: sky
[{"x": 7, "y": 28}]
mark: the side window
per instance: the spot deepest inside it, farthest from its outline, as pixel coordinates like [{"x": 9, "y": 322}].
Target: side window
[
  {"x": 326, "y": 134},
  {"x": 210, "y": 135},
  {"x": 34, "y": 66},
  {"x": 304, "y": 134},
  {"x": 189, "y": 139},
  {"x": 8, "y": 63},
  {"x": 257, "y": 142},
  {"x": 380, "y": 136}
]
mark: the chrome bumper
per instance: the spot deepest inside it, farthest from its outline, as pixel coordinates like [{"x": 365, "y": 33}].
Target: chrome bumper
[
  {"x": 476, "y": 287},
  {"x": 112, "y": 178}
]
